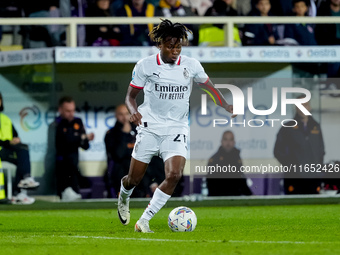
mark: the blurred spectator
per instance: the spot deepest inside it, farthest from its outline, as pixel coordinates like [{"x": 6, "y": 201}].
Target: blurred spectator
[
  {"x": 329, "y": 34},
  {"x": 34, "y": 6},
  {"x": 243, "y": 7},
  {"x": 119, "y": 142},
  {"x": 173, "y": 8},
  {"x": 284, "y": 7},
  {"x": 260, "y": 34},
  {"x": 136, "y": 35},
  {"x": 11, "y": 9},
  {"x": 281, "y": 7},
  {"x": 48, "y": 35},
  {"x": 70, "y": 135},
  {"x": 220, "y": 9},
  {"x": 312, "y": 8},
  {"x": 118, "y": 4},
  {"x": 303, "y": 34},
  {"x": 300, "y": 145},
  {"x": 318, "y": 3},
  {"x": 213, "y": 35},
  {"x": 200, "y": 6},
  {"x": 101, "y": 35},
  {"x": 222, "y": 184},
  {"x": 74, "y": 8},
  {"x": 17, "y": 153},
  {"x": 170, "y": 8},
  {"x": 115, "y": 6}
]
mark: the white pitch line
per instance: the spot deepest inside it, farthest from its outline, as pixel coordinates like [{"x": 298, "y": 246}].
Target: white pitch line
[{"x": 207, "y": 241}]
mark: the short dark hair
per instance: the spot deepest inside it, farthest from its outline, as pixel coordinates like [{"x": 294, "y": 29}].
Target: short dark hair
[
  {"x": 228, "y": 132},
  {"x": 298, "y": 1},
  {"x": 65, "y": 99},
  {"x": 257, "y": 1},
  {"x": 168, "y": 29}
]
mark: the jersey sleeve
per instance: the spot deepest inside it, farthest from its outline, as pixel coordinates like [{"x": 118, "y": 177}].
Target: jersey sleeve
[
  {"x": 199, "y": 74},
  {"x": 138, "y": 76}
]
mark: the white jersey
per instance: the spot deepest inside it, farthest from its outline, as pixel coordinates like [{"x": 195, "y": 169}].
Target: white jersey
[{"x": 167, "y": 88}]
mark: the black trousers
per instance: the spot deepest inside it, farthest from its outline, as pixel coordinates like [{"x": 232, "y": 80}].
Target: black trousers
[
  {"x": 19, "y": 156},
  {"x": 67, "y": 173}
]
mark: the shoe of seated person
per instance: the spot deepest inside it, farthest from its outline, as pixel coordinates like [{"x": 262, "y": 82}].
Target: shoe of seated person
[
  {"x": 28, "y": 183},
  {"x": 69, "y": 195},
  {"x": 22, "y": 199}
]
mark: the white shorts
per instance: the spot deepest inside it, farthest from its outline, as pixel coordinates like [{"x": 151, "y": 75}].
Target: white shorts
[{"x": 149, "y": 144}]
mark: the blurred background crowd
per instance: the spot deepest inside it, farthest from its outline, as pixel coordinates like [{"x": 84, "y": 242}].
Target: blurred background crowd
[{"x": 206, "y": 35}]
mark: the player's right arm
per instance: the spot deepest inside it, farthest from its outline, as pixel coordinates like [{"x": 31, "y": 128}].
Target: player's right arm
[
  {"x": 136, "y": 85},
  {"x": 131, "y": 103}
]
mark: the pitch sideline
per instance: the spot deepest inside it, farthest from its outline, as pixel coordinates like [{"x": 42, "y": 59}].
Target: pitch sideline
[{"x": 207, "y": 241}]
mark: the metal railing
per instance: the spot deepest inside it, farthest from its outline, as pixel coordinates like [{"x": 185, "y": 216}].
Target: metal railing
[{"x": 71, "y": 23}]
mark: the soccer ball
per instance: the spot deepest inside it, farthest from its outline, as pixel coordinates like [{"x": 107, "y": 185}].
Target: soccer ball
[{"x": 182, "y": 219}]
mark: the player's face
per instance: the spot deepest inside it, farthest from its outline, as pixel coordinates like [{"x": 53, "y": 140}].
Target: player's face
[
  {"x": 170, "y": 49},
  {"x": 67, "y": 110},
  {"x": 122, "y": 114},
  {"x": 103, "y": 4},
  {"x": 263, "y": 6},
  {"x": 228, "y": 2},
  {"x": 228, "y": 142},
  {"x": 300, "y": 8}
]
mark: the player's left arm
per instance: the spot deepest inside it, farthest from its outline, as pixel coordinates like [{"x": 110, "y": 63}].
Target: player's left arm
[
  {"x": 207, "y": 85},
  {"x": 220, "y": 100}
]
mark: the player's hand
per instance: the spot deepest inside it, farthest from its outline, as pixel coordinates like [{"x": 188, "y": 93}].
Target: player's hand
[
  {"x": 271, "y": 39},
  {"x": 136, "y": 118},
  {"x": 90, "y": 136},
  {"x": 15, "y": 141},
  {"x": 230, "y": 108}
]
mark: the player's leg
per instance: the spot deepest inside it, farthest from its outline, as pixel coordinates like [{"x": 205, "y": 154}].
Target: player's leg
[
  {"x": 128, "y": 183},
  {"x": 173, "y": 168},
  {"x": 173, "y": 172},
  {"x": 145, "y": 148},
  {"x": 135, "y": 175}
]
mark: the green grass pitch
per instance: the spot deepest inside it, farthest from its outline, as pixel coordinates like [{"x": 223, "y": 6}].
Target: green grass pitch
[{"x": 292, "y": 229}]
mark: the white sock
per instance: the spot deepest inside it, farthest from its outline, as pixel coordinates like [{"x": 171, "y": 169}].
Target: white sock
[
  {"x": 158, "y": 200},
  {"x": 124, "y": 193}
]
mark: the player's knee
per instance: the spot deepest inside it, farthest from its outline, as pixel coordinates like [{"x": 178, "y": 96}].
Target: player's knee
[{"x": 174, "y": 177}]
